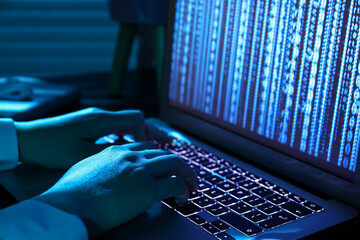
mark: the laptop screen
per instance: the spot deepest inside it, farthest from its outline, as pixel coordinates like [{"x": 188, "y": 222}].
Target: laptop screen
[{"x": 285, "y": 74}]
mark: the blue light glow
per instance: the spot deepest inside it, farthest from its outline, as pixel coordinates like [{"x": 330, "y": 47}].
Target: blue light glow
[{"x": 284, "y": 73}]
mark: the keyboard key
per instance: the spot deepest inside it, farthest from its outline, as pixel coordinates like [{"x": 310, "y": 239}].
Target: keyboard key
[
  {"x": 266, "y": 184},
  {"x": 210, "y": 228},
  {"x": 253, "y": 200},
  {"x": 281, "y": 190},
  {"x": 194, "y": 195},
  {"x": 240, "y": 193},
  {"x": 268, "y": 208},
  {"x": 220, "y": 225},
  {"x": 194, "y": 167},
  {"x": 224, "y": 236},
  {"x": 202, "y": 186},
  {"x": 217, "y": 209},
  {"x": 277, "y": 219},
  {"x": 226, "y": 164},
  {"x": 248, "y": 184},
  {"x": 226, "y": 186},
  {"x": 296, "y": 209},
  {"x": 239, "y": 170},
  {"x": 188, "y": 209},
  {"x": 189, "y": 154},
  {"x": 214, "y": 193},
  {"x": 212, "y": 166},
  {"x": 235, "y": 178},
  {"x": 252, "y": 176},
  {"x": 202, "y": 173},
  {"x": 197, "y": 219},
  {"x": 196, "y": 164},
  {"x": 241, "y": 224},
  {"x": 262, "y": 192},
  {"x": 227, "y": 200},
  {"x": 177, "y": 149},
  {"x": 213, "y": 179},
  {"x": 256, "y": 216},
  {"x": 241, "y": 208},
  {"x": 193, "y": 147},
  {"x": 297, "y": 198},
  {"x": 200, "y": 160},
  {"x": 204, "y": 201},
  {"x": 313, "y": 206},
  {"x": 216, "y": 158},
  {"x": 170, "y": 202},
  {"x": 203, "y": 152},
  {"x": 224, "y": 172},
  {"x": 277, "y": 199}
]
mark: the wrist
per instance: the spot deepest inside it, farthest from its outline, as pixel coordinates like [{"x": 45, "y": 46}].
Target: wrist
[
  {"x": 18, "y": 133},
  {"x": 8, "y": 144},
  {"x": 20, "y": 138},
  {"x": 26, "y": 141},
  {"x": 68, "y": 205}
]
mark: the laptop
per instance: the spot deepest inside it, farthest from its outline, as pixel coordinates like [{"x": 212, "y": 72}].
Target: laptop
[{"x": 261, "y": 98}]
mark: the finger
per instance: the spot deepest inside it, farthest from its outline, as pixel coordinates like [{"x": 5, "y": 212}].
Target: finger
[
  {"x": 153, "y": 153},
  {"x": 159, "y": 135},
  {"x": 172, "y": 187},
  {"x": 170, "y": 165},
  {"x": 139, "y": 146},
  {"x": 129, "y": 120},
  {"x": 137, "y": 126}
]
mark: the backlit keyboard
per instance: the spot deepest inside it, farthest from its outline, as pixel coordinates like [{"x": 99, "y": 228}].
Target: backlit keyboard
[{"x": 230, "y": 197}]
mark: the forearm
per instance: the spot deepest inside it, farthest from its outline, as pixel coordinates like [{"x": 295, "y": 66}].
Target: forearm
[{"x": 35, "y": 220}]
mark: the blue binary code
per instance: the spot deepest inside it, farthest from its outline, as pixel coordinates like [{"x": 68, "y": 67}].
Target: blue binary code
[{"x": 285, "y": 73}]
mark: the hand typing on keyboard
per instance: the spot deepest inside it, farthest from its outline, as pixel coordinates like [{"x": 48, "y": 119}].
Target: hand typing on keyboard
[
  {"x": 119, "y": 183},
  {"x": 73, "y": 135},
  {"x": 112, "y": 186}
]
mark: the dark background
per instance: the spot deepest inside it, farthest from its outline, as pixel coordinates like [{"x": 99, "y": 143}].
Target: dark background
[{"x": 72, "y": 42}]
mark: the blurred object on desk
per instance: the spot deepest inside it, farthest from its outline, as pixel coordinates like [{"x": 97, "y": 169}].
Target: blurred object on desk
[
  {"x": 26, "y": 98},
  {"x": 14, "y": 90}
]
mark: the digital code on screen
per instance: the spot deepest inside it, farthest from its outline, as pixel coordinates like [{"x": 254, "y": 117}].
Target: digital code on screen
[{"x": 284, "y": 73}]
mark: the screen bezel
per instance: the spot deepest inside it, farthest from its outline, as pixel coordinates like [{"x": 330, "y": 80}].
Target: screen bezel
[{"x": 302, "y": 172}]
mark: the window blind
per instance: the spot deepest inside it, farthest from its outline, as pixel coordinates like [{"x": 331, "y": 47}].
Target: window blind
[{"x": 55, "y": 37}]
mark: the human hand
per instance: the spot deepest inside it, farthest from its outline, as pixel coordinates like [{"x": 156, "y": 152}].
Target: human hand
[
  {"x": 116, "y": 185},
  {"x": 60, "y": 142}
]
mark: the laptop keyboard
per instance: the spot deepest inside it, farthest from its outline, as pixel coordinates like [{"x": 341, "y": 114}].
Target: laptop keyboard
[{"x": 231, "y": 197}]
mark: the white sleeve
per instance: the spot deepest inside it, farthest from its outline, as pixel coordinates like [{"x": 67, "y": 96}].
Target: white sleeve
[
  {"x": 33, "y": 219},
  {"x": 9, "y": 152}
]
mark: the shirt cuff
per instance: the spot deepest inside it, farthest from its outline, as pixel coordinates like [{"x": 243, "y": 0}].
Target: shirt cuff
[
  {"x": 33, "y": 219},
  {"x": 9, "y": 152}
]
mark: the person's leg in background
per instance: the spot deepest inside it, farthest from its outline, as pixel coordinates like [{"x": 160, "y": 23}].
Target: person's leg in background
[
  {"x": 159, "y": 46},
  {"x": 126, "y": 36}
]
